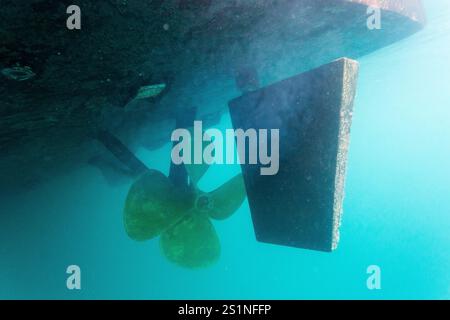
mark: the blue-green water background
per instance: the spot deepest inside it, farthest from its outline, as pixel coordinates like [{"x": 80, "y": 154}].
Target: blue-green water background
[{"x": 396, "y": 212}]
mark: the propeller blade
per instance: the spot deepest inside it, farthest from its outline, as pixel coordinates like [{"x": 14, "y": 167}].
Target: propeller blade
[
  {"x": 152, "y": 206},
  {"x": 192, "y": 242},
  {"x": 226, "y": 199},
  {"x": 196, "y": 171}
]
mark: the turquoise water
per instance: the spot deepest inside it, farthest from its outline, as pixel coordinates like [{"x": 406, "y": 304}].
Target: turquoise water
[{"x": 396, "y": 211}]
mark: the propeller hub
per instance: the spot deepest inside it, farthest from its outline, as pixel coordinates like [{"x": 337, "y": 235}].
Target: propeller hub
[{"x": 204, "y": 203}]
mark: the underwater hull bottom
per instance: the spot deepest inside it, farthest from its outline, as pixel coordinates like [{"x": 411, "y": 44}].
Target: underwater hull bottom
[{"x": 301, "y": 205}]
